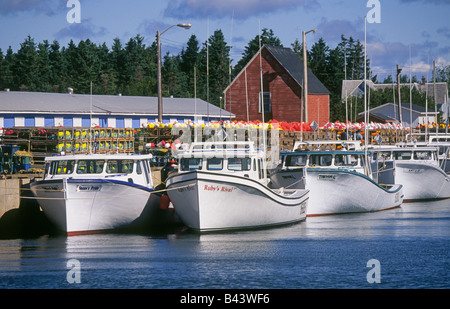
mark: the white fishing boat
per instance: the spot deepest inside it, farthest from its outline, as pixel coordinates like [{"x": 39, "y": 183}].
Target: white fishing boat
[
  {"x": 339, "y": 180},
  {"x": 417, "y": 169},
  {"x": 223, "y": 186},
  {"x": 89, "y": 193},
  {"x": 439, "y": 140}
]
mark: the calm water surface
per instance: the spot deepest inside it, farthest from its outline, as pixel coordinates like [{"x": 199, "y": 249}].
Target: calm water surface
[{"x": 411, "y": 244}]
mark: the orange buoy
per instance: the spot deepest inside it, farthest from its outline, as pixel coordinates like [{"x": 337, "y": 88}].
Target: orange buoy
[{"x": 164, "y": 202}]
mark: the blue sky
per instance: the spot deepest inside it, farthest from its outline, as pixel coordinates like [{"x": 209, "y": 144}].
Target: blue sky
[{"x": 419, "y": 28}]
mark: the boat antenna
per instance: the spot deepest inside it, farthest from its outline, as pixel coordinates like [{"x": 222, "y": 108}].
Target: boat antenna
[
  {"x": 229, "y": 63},
  {"x": 365, "y": 98},
  {"x": 207, "y": 68},
  {"x": 262, "y": 92},
  {"x": 434, "y": 95},
  {"x": 410, "y": 94},
  {"x": 90, "y": 125}
]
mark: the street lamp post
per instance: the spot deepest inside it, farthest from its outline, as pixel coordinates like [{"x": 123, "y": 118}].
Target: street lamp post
[
  {"x": 158, "y": 35},
  {"x": 305, "y": 73}
]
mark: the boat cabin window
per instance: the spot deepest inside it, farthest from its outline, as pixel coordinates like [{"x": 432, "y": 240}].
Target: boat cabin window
[
  {"x": 382, "y": 155},
  {"x": 422, "y": 155},
  {"x": 239, "y": 164},
  {"x": 62, "y": 167},
  {"x": 138, "y": 167},
  {"x": 296, "y": 160},
  {"x": 402, "y": 155},
  {"x": 90, "y": 166},
  {"x": 119, "y": 166},
  {"x": 191, "y": 164},
  {"x": 320, "y": 160},
  {"x": 214, "y": 164},
  {"x": 346, "y": 160},
  {"x": 443, "y": 150}
]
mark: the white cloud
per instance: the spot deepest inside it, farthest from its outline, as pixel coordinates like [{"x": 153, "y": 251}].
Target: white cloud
[
  {"x": 239, "y": 8},
  {"x": 48, "y": 7}
]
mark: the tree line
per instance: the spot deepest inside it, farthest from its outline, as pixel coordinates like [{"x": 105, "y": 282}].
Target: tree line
[{"x": 201, "y": 70}]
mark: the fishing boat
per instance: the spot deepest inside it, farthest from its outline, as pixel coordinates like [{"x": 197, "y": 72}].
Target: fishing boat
[
  {"x": 417, "y": 169},
  {"x": 91, "y": 193},
  {"x": 223, "y": 186},
  {"x": 339, "y": 179},
  {"x": 439, "y": 140}
]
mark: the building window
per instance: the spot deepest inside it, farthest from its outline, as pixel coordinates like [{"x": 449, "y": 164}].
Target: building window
[{"x": 267, "y": 103}]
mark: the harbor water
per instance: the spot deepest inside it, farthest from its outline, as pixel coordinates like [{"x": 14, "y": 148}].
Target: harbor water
[{"x": 402, "y": 248}]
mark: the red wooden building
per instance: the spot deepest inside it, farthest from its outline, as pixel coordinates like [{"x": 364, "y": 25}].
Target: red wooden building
[{"x": 282, "y": 80}]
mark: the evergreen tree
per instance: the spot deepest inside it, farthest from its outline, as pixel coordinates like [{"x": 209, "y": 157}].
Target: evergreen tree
[
  {"x": 25, "y": 68},
  {"x": 267, "y": 38},
  {"x": 2, "y": 70},
  {"x": 188, "y": 61},
  {"x": 214, "y": 68},
  {"x": 44, "y": 67},
  {"x": 319, "y": 60}
]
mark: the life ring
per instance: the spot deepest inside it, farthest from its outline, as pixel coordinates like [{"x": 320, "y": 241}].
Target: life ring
[{"x": 164, "y": 202}]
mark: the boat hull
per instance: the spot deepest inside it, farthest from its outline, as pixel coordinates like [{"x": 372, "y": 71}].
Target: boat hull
[
  {"x": 94, "y": 205},
  {"x": 212, "y": 201},
  {"x": 341, "y": 191},
  {"x": 422, "y": 181}
]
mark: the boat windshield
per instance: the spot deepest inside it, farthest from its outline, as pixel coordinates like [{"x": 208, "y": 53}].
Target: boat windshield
[
  {"x": 119, "y": 166},
  {"x": 382, "y": 155},
  {"x": 346, "y": 160},
  {"x": 402, "y": 155},
  {"x": 422, "y": 155},
  {"x": 191, "y": 164},
  {"x": 62, "y": 167},
  {"x": 90, "y": 166},
  {"x": 320, "y": 160},
  {"x": 214, "y": 164},
  {"x": 239, "y": 164},
  {"x": 296, "y": 160}
]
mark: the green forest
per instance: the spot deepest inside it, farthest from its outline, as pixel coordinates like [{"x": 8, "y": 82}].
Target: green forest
[{"x": 203, "y": 69}]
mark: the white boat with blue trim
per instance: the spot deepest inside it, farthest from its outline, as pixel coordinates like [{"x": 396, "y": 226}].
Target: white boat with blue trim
[
  {"x": 91, "y": 193},
  {"x": 417, "y": 168},
  {"x": 339, "y": 180},
  {"x": 223, "y": 186}
]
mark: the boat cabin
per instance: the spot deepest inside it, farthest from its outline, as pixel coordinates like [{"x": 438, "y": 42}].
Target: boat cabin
[
  {"x": 236, "y": 158},
  {"x": 353, "y": 160},
  {"x": 328, "y": 145},
  {"x": 419, "y": 154},
  {"x": 130, "y": 168}
]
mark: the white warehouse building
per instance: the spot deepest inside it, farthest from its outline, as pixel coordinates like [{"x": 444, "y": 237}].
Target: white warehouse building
[{"x": 37, "y": 109}]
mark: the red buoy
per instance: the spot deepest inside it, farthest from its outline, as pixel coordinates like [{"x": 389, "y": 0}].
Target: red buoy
[{"x": 164, "y": 202}]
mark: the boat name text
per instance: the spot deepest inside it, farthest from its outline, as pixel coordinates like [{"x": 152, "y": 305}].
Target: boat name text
[
  {"x": 414, "y": 170},
  {"x": 85, "y": 188},
  {"x": 326, "y": 177},
  {"x": 216, "y": 188}
]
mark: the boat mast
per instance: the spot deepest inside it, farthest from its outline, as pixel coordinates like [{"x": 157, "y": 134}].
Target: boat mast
[{"x": 262, "y": 97}]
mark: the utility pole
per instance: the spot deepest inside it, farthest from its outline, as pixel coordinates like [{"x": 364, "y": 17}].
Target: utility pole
[
  {"x": 305, "y": 73},
  {"x": 434, "y": 96},
  {"x": 399, "y": 100}
]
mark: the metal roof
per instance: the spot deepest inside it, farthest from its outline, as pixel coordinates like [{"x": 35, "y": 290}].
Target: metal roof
[
  {"x": 66, "y": 103},
  {"x": 293, "y": 66}
]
